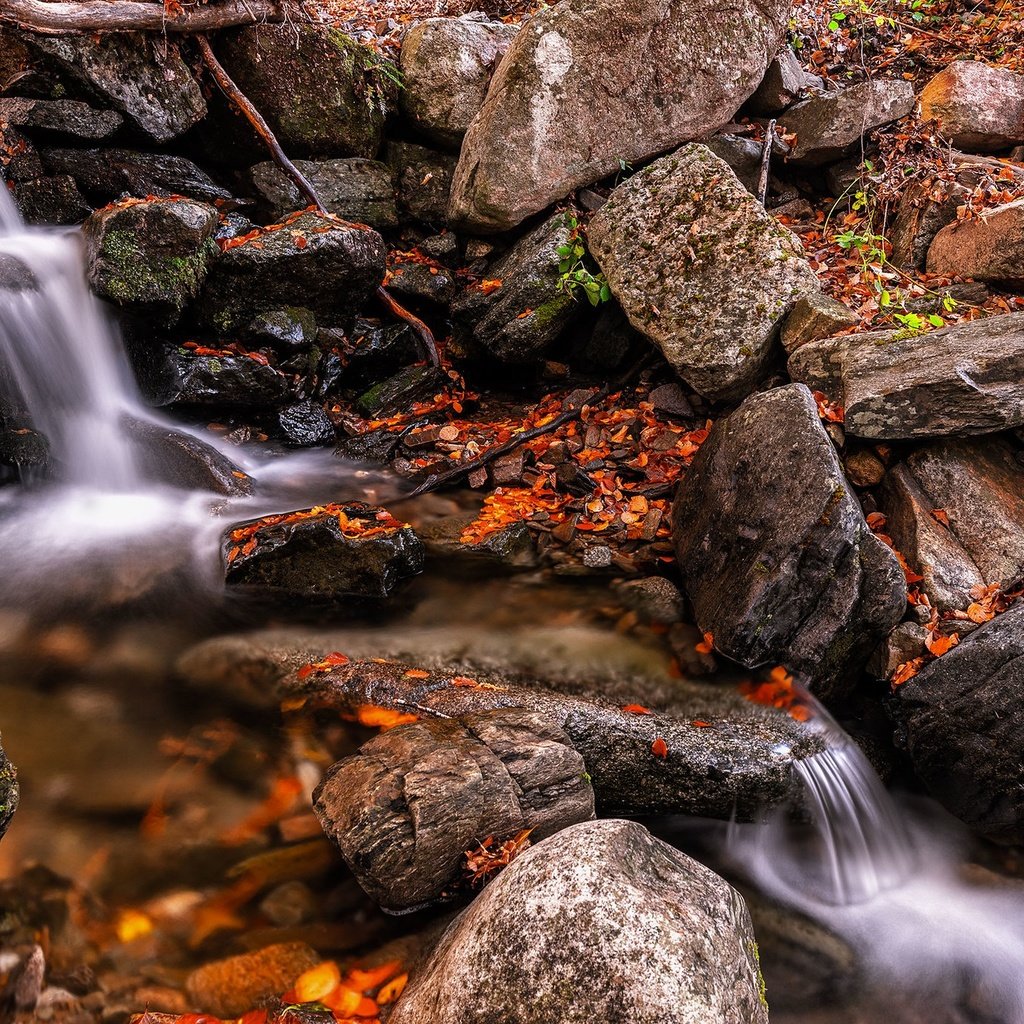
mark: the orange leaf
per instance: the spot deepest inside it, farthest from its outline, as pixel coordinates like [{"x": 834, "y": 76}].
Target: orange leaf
[
  {"x": 939, "y": 515},
  {"x": 382, "y": 718},
  {"x": 416, "y": 673},
  {"x": 317, "y": 983},
  {"x": 636, "y": 709},
  {"x": 365, "y": 980},
  {"x": 906, "y": 671},
  {"x": 659, "y": 748},
  {"x": 938, "y": 644},
  {"x": 699, "y": 723},
  {"x": 392, "y": 990},
  {"x": 707, "y": 645}
]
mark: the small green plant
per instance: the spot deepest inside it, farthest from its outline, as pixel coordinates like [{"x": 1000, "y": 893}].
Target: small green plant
[{"x": 574, "y": 274}]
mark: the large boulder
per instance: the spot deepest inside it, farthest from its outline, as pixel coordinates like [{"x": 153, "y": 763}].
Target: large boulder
[
  {"x": 777, "y": 558},
  {"x": 964, "y": 724},
  {"x": 602, "y": 922},
  {"x": 446, "y": 66},
  {"x": 701, "y": 269},
  {"x": 221, "y": 380},
  {"x": 978, "y": 108},
  {"x": 989, "y": 247},
  {"x": 8, "y": 792},
  {"x": 965, "y": 379},
  {"x": 151, "y": 255},
  {"x": 143, "y": 75},
  {"x": 592, "y": 83},
  {"x": 323, "y": 94},
  {"x": 66, "y": 117}
]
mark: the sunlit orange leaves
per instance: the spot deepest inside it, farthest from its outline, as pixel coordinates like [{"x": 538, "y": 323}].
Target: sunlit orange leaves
[
  {"x": 331, "y": 661},
  {"x": 659, "y": 748},
  {"x": 829, "y": 411},
  {"x": 382, "y": 718},
  {"x": 707, "y": 645},
  {"x": 349, "y": 997},
  {"x": 636, "y": 709},
  {"x": 779, "y": 691},
  {"x": 906, "y": 670}
]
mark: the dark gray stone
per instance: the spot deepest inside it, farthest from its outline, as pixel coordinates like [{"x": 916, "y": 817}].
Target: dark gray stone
[
  {"x": 8, "y": 792},
  {"x": 305, "y": 424},
  {"x": 782, "y": 84},
  {"x": 66, "y": 117},
  {"x": 52, "y": 199},
  {"x": 221, "y": 382},
  {"x": 423, "y": 178}
]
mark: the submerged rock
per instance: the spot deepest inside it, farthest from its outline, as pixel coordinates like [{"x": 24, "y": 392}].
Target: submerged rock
[
  {"x": 325, "y": 554},
  {"x": 67, "y": 117},
  {"x": 713, "y": 304},
  {"x": 8, "y": 792},
  {"x": 602, "y": 922},
  {"x": 776, "y": 556},
  {"x": 665, "y": 71},
  {"x": 965, "y": 379},
  {"x": 979, "y": 108}
]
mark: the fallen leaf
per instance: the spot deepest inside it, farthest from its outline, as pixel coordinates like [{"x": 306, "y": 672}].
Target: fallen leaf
[{"x": 659, "y": 748}]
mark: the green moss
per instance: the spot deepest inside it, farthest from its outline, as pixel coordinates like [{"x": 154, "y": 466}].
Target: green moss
[
  {"x": 131, "y": 274},
  {"x": 551, "y": 311},
  {"x": 762, "y": 988}
]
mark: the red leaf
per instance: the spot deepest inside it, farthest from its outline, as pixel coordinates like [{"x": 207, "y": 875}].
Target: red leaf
[{"x": 659, "y": 748}]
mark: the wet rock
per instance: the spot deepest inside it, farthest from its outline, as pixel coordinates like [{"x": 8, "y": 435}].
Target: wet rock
[
  {"x": 511, "y": 548},
  {"x": 956, "y": 510},
  {"x": 378, "y": 351},
  {"x": 323, "y": 93},
  {"x": 813, "y": 317},
  {"x": 979, "y": 108},
  {"x": 423, "y": 178},
  {"x": 653, "y": 598},
  {"x": 24, "y": 455},
  {"x": 231, "y": 987},
  {"x": 989, "y": 247},
  {"x": 666, "y": 70},
  {"x": 407, "y": 806},
  {"x": 422, "y": 282},
  {"x": 776, "y": 556},
  {"x": 964, "y": 734},
  {"x": 108, "y": 174},
  {"x": 224, "y": 382},
  {"x": 903, "y": 644},
  {"x": 600, "y": 922},
  {"x": 743, "y": 155},
  {"x": 714, "y": 307},
  {"x": 396, "y": 394},
  {"x": 53, "y": 199},
  {"x": 446, "y": 66},
  {"x": 965, "y": 379},
  {"x": 140, "y": 74},
  {"x": 8, "y": 792},
  {"x": 274, "y": 270},
  {"x": 355, "y": 189},
  {"x": 493, "y": 320},
  {"x": 323, "y": 554},
  {"x": 290, "y": 330},
  {"x": 22, "y": 159},
  {"x": 151, "y": 255},
  {"x": 66, "y": 117},
  {"x": 782, "y": 84},
  {"x": 831, "y": 125},
  {"x": 305, "y": 424},
  {"x": 375, "y": 446}
]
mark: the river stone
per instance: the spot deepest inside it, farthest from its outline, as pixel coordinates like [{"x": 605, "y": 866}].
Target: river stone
[
  {"x": 218, "y": 382},
  {"x": 964, "y": 724},
  {"x": 701, "y": 269},
  {"x": 979, "y": 108},
  {"x": 964, "y": 379},
  {"x": 354, "y": 189},
  {"x": 306, "y": 424},
  {"x": 51, "y": 199},
  {"x": 590, "y": 83},
  {"x": 989, "y": 247},
  {"x": 776, "y": 556},
  {"x": 495, "y": 322},
  {"x": 322, "y": 93},
  {"x": 446, "y": 66},
  {"x": 140, "y": 74},
  {"x": 8, "y": 792},
  {"x": 277, "y": 269},
  {"x": 978, "y": 486},
  {"x": 602, "y": 922},
  {"x": 406, "y": 807},
  {"x": 830, "y": 126},
  {"x": 68, "y": 117},
  {"x": 423, "y": 179},
  {"x": 151, "y": 255}
]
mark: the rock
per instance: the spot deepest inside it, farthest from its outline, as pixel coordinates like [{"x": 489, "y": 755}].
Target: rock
[
  {"x": 305, "y": 424},
  {"x": 903, "y": 644},
  {"x": 151, "y": 255},
  {"x": 140, "y": 74},
  {"x": 292, "y": 329},
  {"x": 66, "y": 117},
  {"x": 964, "y": 379},
  {"x": 8, "y": 792},
  {"x": 665, "y": 72},
  {"x": 233, "y": 986},
  {"x": 830, "y": 126},
  {"x": 863, "y": 468},
  {"x": 323, "y": 94},
  {"x": 979, "y": 108},
  {"x": 714, "y": 304},
  {"x": 601, "y": 922},
  {"x": 423, "y": 178},
  {"x": 446, "y": 66},
  {"x": 653, "y": 598},
  {"x": 989, "y": 247},
  {"x": 964, "y": 732},
  {"x": 274, "y": 269},
  {"x": 222, "y": 382},
  {"x": 815, "y": 316},
  {"x": 977, "y": 490},
  {"x": 493, "y": 321},
  {"x": 777, "y": 559},
  {"x": 377, "y": 352},
  {"x": 743, "y": 155},
  {"x": 24, "y": 455},
  {"x": 53, "y": 199},
  {"x": 22, "y": 158},
  {"x": 354, "y": 189},
  {"x": 510, "y": 549},
  {"x": 782, "y": 84},
  {"x": 406, "y": 807},
  {"x": 323, "y": 554},
  {"x": 422, "y": 282},
  {"x": 396, "y": 394},
  {"x": 108, "y": 174}
]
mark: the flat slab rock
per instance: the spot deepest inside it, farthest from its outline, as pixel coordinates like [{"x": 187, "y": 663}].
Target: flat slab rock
[
  {"x": 776, "y": 556},
  {"x": 960, "y": 380},
  {"x": 602, "y": 922},
  {"x": 700, "y": 268},
  {"x": 965, "y": 728},
  {"x": 592, "y": 82},
  {"x": 69, "y": 117}
]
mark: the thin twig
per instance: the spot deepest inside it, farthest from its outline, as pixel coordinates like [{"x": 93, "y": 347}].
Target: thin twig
[
  {"x": 423, "y": 332},
  {"x": 766, "y": 160}
]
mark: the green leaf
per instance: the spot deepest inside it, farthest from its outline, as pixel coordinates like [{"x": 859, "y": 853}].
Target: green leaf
[
  {"x": 606, "y": 293},
  {"x": 936, "y": 321}
]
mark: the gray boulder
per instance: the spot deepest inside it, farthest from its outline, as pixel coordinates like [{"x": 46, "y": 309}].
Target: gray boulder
[
  {"x": 962, "y": 714},
  {"x": 446, "y": 66},
  {"x": 51, "y": 199},
  {"x": 67, "y": 117},
  {"x": 355, "y": 189},
  {"x": 813, "y": 317},
  {"x": 782, "y": 84},
  {"x": 776, "y": 556},
  {"x": 701, "y": 269},
  {"x": 591, "y": 83},
  {"x": 979, "y": 108},
  {"x": 602, "y": 922},
  {"x": 960, "y": 380}
]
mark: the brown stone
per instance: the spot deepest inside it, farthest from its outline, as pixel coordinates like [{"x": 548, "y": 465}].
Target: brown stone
[
  {"x": 979, "y": 108},
  {"x": 815, "y": 316},
  {"x": 989, "y": 247}
]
